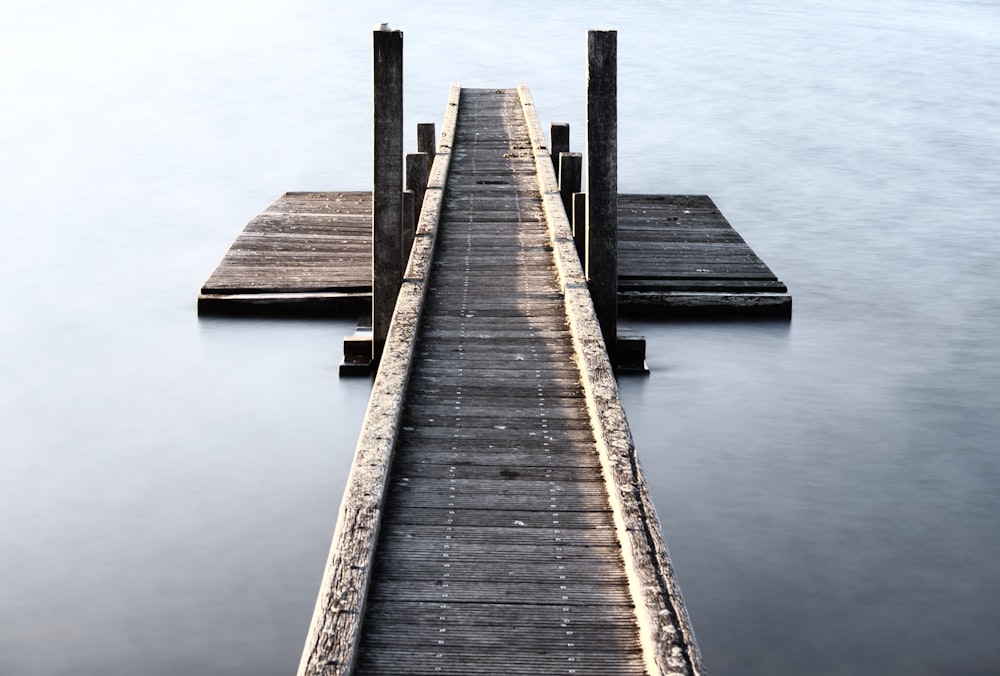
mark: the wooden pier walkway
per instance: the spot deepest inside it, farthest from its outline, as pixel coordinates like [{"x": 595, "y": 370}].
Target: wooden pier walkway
[{"x": 496, "y": 519}]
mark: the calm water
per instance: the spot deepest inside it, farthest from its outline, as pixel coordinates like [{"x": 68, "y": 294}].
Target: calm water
[{"x": 169, "y": 486}]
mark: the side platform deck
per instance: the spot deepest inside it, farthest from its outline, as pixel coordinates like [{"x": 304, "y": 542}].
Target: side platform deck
[{"x": 309, "y": 254}]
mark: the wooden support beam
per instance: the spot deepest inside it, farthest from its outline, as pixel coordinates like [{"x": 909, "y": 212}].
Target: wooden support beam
[
  {"x": 602, "y": 181},
  {"x": 387, "y": 193},
  {"x": 570, "y": 174},
  {"x": 558, "y": 142},
  {"x": 427, "y": 140}
]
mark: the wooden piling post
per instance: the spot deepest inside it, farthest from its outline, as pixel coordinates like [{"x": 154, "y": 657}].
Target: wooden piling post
[
  {"x": 602, "y": 182},
  {"x": 427, "y": 141},
  {"x": 558, "y": 142},
  {"x": 387, "y": 192},
  {"x": 570, "y": 170}
]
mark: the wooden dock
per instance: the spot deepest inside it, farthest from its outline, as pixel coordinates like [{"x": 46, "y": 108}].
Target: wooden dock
[
  {"x": 309, "y": 254},
  {"x": 496, "y": 519},
  {"x": 678, "y": 256}
]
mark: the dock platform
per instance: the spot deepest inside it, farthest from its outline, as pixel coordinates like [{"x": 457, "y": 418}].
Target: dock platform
[
  {"x": 496, "y": 519},
  {"x": 678, "y": 256},
  {"x": 309, "y": 254}
]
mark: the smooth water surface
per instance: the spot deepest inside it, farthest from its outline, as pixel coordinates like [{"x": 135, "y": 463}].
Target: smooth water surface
[{"x": 169, "y": 485}]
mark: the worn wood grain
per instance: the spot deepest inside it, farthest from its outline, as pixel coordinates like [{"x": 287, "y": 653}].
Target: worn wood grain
[
  {"x": 494, "y": 326},
  {"x": 678, "y": 256}
]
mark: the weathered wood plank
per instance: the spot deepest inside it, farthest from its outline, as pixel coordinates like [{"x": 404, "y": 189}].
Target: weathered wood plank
[
  {"x": 499, "y": 517},
  {"x": 409, "y": 537},
  {"x": 443, "y": 659},
  {"x": 498, "y": 592}
]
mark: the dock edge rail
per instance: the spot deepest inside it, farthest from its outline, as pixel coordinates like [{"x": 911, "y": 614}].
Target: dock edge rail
[
  {"x": 667, "y": 637},
  {"x": 332, "y": 640}
]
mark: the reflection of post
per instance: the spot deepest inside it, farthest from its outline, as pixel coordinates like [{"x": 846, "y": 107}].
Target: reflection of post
[
  {"x": 602, "y": 182},
  {"x": 387, "y": 193}
]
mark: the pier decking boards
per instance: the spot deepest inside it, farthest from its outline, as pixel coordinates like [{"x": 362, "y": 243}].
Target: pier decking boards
[
  {"x": 497, "y": 552},
  {"x": 307, "y": 253},
  {"x": 678, "y": 255},
  {"x": 495, "y": 519}
]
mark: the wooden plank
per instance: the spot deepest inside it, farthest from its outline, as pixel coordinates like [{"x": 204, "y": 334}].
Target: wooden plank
[
  {"x": 443, "y": 659},
  {"x": 544, "y": 632},
  {"x": 733, "y": 285},
  {"x": 408, "y": 538},
  {"x": 485, "y": 591},
  {"x": 499, "y": 517}
]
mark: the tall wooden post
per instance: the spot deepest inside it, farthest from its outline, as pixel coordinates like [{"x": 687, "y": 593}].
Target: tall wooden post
[
  {"x": 602, "y": 182},
  {"x": 558, "y": 141},
  {"x": 387, "y": 192}
]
